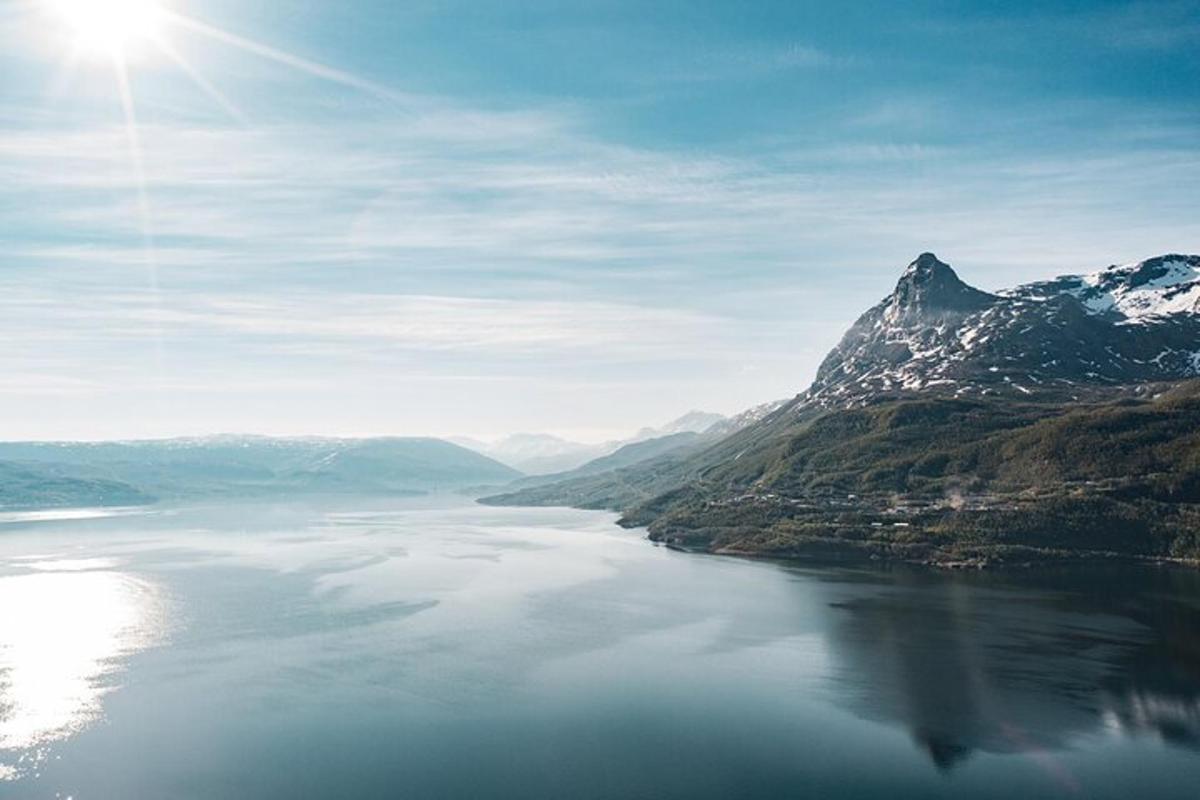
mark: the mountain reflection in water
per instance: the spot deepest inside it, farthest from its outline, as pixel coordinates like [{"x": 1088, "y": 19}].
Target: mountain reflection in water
[{"x": 1021, "y": 662}]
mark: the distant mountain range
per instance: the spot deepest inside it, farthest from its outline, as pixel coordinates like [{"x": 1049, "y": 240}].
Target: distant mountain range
[
  {"x": 70, "y": 474},
  {"x": 544, "y": 454},
  {"x": 536, "y": 453},
  {"x": 55, "y": 474},
  {"x": 1059, "y": 419},
  {"x": 691, "y": 422}
]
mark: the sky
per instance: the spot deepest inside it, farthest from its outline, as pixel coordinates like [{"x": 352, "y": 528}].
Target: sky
[{"x": 580, "y": 217}]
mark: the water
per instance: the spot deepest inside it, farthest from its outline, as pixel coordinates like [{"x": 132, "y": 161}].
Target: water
[{"x": 431, "y": 649}]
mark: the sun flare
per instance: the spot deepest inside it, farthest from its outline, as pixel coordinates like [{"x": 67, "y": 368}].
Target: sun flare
[{"x": 110, "y": 26}]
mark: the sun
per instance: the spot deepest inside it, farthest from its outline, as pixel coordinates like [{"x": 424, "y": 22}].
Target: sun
[
  {"x": 120, "y": 32},
  {"x": 110, "y": 27}
]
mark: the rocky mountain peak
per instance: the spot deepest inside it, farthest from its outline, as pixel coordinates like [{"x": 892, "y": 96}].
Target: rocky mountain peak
[
  {"x": 927, "y": 264},
  {"x": 929, "y": 288}
]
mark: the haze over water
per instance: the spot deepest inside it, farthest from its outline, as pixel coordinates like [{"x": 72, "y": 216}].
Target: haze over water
[{"x": 436, "y": 649}]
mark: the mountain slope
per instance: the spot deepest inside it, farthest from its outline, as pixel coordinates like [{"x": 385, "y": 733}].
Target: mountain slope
[
  {"x": 626, "y": 456},
  {"x": 538, "y": 453},
  {"x": 954, "y": 479},
  {"x": 691, "y": 422},
  {"x": 1146, "y": 292},
  {"x": 541, "y": 490},
  {"x": 624, "y": 487},
  {"x": 31, "y": 486},
  {"x": 549, "y": 458},
  {"x": 635, "y": 472}
]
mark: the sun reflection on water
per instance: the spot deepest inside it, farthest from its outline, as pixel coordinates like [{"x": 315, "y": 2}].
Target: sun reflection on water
[{"x": 63, "y": 635}]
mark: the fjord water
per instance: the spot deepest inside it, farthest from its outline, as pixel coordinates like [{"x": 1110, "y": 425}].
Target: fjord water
[{"x": 437, "y": 649}]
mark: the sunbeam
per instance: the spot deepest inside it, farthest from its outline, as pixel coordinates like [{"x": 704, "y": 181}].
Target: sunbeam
[
  {"x": 134, "y": 143},
  {"x": 287, "y": 59},
  {"x": 205, "y": 85},
  {"x": 146, "y": 223}
]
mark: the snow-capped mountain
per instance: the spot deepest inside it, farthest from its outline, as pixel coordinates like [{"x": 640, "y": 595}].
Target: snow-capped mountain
[
  {"x": 537, "y": 453},
  {"x": 1146, "y": 292},
  {"x": 1121, "y": 325},
  {"x": 544, "y": 454},
  {"x": 747, "y": 418},
  {"x": 691, "y": 422}
]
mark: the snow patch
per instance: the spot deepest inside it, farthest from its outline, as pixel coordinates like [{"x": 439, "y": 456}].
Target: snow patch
[{"x": 1140, "y": 292}]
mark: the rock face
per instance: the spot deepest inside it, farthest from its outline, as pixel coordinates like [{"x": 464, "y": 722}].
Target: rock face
[
  {"x": 1121, "y": 325},
  {"x": 929, "y": 291}
]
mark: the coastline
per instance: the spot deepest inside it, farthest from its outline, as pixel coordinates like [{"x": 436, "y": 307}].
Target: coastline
[{"x": 833, "y": 551}]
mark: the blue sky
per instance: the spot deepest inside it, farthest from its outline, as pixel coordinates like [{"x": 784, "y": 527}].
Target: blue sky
[{"x": 578, "y": 217}]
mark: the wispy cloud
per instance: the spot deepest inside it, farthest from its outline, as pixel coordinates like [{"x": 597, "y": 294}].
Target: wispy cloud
[
  {"x": 348, "y": 320},
  {"x": 536, "y": 198},
  {"x": 340, "y": 239}
]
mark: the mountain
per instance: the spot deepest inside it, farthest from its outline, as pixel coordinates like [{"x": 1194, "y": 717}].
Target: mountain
[
  {"x": 594, "y": 476},
  {"x": 639, "y": 451},
  {"x": 630, "y": 455},
  {"x": 550, "y": 457},
  {"x": 691, "y": 422},
  {"x": 139, "y": 471},
  {"x": 538, "y": 453},
  {"x": 745, "y": 419},
  {"x": 1147, "y": 291},
  {"x": 24, "y": 486},
  {"x": 1118, "y": 326},
  {"x": 951, "y": 425}
]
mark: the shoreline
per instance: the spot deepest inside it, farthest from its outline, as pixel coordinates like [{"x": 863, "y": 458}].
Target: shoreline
[{"x": 848, "y": 552}]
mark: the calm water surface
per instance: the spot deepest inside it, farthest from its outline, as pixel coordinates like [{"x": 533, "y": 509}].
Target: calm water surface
[{"x": 422, "y": 649}]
